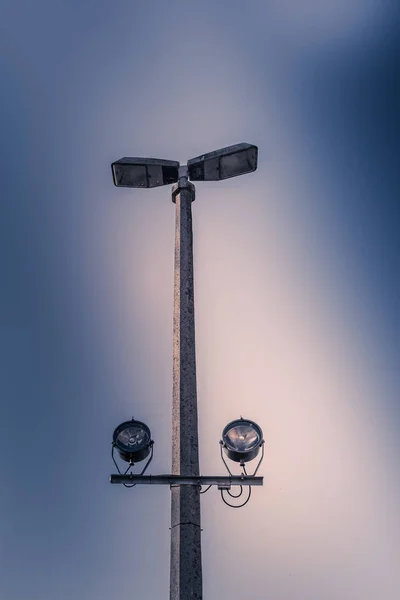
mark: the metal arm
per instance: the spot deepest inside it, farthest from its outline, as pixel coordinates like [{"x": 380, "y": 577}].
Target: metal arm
[{"x": 221, "y": 481}]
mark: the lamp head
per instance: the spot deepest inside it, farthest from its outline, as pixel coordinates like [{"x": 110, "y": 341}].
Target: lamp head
[
  {"x": 224, "y": 163},
  {"x": 133, "y": 441},
  {"x": 242, "y": 440},
  {"x": 144, "y": 172}
]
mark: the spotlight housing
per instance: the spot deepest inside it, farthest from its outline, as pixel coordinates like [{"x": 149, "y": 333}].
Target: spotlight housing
[
  {"x": 133, "y": 441},
  {"x": 242, "y": 440}
]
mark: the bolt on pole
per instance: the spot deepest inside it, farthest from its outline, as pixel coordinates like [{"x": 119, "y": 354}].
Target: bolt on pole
[{"x": 186, "y": 564}]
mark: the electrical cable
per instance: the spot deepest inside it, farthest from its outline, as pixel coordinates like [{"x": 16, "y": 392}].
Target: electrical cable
[
  {"x": 236, "y": 505},
  {"x": 236, "y": 495}
]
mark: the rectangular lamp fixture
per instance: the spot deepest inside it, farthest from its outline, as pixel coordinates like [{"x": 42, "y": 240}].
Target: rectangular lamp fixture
[
  {"x": 224, "y": 163},
  {"x": 144, "y": 172}
]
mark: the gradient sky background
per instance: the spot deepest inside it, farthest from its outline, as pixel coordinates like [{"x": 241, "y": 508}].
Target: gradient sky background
[{"x": 297, "y": 291}]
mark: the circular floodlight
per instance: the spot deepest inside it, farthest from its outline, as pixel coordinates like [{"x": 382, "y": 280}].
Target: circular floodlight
[
  {"x": 242, "y": 440},
  {"x": 132, "y": 440}
]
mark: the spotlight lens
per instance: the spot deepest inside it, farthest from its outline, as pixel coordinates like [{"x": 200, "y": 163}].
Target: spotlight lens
[
  {"x": 242, "y": 438},
  {"x": 132, "y": 438}
]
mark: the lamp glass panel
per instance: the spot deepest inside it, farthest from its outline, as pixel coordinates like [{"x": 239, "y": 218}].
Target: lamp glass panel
[
  {"x": 130, "y": 175},
  {"x": 132, "y": 438},
  {"x": 242, "y": 438},
  {"x": 155, "y": 174},
  {"x": 211, "y": 169},
  {"x": 237, "y": 163}
]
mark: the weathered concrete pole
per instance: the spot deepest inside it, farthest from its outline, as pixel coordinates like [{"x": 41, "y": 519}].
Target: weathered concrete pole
[{"x": 186, "y": 568}]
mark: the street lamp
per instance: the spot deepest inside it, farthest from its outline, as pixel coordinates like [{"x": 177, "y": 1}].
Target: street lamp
[{"x": 132, "y": 440}]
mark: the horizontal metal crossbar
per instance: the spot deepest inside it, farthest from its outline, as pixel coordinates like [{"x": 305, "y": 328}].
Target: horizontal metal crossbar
[{"x": 221, "y": 481}]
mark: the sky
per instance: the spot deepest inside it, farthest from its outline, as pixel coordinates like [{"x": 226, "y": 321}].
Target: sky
[{"x": 296, "y": 289}]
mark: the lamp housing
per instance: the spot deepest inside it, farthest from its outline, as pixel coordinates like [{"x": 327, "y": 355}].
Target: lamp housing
[
  {"x": 144, "y": 172},
  {"x": 242, "y": 440},
  {"x": 224, "y": 163},
  {"x": 133, "y": 441}
]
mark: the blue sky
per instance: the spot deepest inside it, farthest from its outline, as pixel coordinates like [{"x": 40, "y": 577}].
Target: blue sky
[{"x": 296, "y": 279}]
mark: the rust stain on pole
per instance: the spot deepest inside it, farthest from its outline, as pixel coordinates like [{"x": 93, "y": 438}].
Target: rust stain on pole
[{"x": 186, "y": 565}]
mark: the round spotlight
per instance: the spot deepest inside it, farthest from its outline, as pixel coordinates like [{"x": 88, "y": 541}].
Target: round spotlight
[
  {"x": 132, "y": 440},
  {"x": 242, "y": 440}
]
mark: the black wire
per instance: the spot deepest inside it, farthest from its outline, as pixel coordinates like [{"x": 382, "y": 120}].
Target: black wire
[
  {"x": 236, "y": 505},
  {"x": 237, "y": 495},
  {"x": 244, "y": 470},
  {"x": 206, "y": 490}
]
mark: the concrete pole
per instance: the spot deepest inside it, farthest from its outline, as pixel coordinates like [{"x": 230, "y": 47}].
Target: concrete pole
[{"x": 186, "y": 568}]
